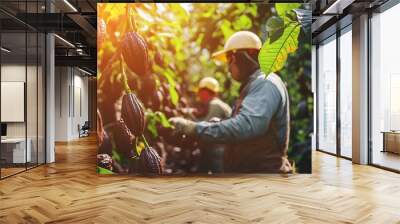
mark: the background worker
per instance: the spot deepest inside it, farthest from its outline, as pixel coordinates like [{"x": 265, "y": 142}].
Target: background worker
[
  {"x": 208, "y": 96},
  {"x": 217, "y": 110},
  {"x": 258, "y": 129}
]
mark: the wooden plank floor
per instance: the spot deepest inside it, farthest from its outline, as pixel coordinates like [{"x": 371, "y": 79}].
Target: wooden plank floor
[{"x": 69, "y": 191}]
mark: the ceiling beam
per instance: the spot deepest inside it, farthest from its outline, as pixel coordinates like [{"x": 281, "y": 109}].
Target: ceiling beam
[
  {"x": 83, "y": 23},
  {"x": 338, "y": 6},
  {"x": 81, "y": 61}
]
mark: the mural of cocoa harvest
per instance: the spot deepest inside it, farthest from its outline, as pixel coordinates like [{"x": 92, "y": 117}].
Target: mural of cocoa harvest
[{"x": 193, "y": 88}]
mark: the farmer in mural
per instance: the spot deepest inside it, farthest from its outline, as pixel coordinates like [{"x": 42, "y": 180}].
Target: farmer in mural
[
  {"x": 215, "y": 110},
  {"x": 214, "y": 107},
  {"x": 258, "y": 129}
]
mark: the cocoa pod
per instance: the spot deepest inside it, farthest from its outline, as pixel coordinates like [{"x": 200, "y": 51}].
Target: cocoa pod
[
  {"x": 147, "y": 89},
  {"x": 123, "y": 139},
  {"x": 105, "y": 146},
  {"x": 132, "y": 113},
  {"x": 105, "y": 161},
  {"x": 148, "y": 84},
  {"x": 151, "y": 161},
  {"x": 135, "y": 53},
  {"x": 156, "y": 100}
]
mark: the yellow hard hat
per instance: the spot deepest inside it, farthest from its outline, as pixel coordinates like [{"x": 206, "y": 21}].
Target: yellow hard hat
[
  {"x": 239, "y": 40},
  {"x": 209, "y": 83}
]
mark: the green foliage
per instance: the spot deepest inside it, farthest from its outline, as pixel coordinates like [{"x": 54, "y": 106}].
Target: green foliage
[
  {"x": 116, "y": 156},
  {"x": 273, "y": 55},
  {"x": 171, "y": 87},
  {"x": 101, "y": 170},
  {"x": 154, "y": 118},
  {"x": 244, "y": 22},
  {"x": 283, "y": 8},
  {"x": 283, "y": 34},
  {"x": 275, "y": 23},
  {"x": 275, "y": 27}
]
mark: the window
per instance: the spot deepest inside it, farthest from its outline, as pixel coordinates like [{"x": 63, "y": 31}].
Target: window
[
  {"x": 22, "y": 75},
  {"x": 385, "y": 88},
  {"x": 327, "y": 95},
  {"x": 346, "y": 92}
]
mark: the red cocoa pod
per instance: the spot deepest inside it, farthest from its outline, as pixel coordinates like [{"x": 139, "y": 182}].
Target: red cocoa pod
[
  {"x": 123, "y": 139},
  {"x": 151, "y": 161},
  {"x": 134, "y": 51},
  {"x": 132, "y": 113}
]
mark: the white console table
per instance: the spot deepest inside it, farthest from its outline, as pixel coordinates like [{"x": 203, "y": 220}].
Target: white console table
[{"x": 16, "y": 147}]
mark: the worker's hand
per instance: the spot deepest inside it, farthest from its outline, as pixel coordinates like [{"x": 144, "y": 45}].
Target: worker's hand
[{"x": 183, "y": 126}]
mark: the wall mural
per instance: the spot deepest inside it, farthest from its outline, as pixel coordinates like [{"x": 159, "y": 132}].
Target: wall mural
[{"x": 194, "y": 88}]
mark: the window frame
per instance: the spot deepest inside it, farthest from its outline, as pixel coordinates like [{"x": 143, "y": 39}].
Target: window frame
[{"x": 339, "y": 32}]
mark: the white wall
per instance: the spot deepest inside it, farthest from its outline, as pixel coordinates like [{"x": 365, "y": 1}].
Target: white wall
[
  {"x": 61, "y": 103},
  {"x": 14, "y": 73},
  {"x": 34, "y": 125},
  {"x": 71, "y": 93},
  {"x": 80, "y": 102}
]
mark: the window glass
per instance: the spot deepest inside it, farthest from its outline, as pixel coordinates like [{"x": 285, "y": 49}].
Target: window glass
[
  {"x": 385, "y": 92},
  {"x": 327, "y": 95},
  {"x": 346, "y": 92},
  {"x": 15, "y": 151}
]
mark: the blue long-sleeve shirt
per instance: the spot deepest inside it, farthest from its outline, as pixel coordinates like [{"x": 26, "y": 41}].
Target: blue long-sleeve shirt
[{"x": 266, "y": 100}]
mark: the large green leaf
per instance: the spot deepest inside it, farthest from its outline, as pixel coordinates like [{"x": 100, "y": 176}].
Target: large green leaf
[
  {"x": 283, "y": 8},
  {"x": 273, "y": 55}
]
